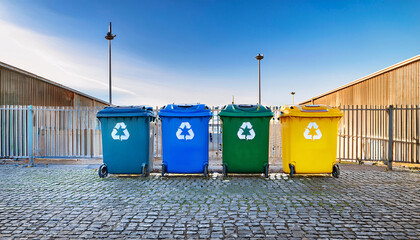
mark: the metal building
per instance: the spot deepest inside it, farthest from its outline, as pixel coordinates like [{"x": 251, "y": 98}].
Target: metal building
[
  {"x": 19, "y": 87},
  {"x": 395, "y": 85}
]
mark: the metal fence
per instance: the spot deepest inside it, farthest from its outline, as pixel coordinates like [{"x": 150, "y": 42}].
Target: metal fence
[
  {"x": 66, "y": 132},
  {"x": 379, "y": 133},
  {"x": 14, "y": 138},
  {"x": 215, "y": 136},
  {"x": 49, "y": 132},
  {"x": 366, "y": 133},
  {"x": 63, "y": 132},
  {"x": 363, "y": 134}
]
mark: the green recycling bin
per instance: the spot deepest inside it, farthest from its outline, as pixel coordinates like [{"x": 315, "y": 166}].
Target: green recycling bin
[{"x": 245, "y": 138}]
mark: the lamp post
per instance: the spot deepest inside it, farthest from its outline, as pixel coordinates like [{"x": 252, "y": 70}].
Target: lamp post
[
  {"x": 259, "y": 57},
  {"x": 293, "y": 97},
  {"x": 109, "y": 37}
]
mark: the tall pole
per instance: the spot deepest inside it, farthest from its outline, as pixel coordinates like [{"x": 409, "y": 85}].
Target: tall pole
[
  {"x": 259, "y": 82},
  {"x": 293, "y": 97},
  {"x": 259, "y": 57},
  {"x": 109, "y": 37},
  {"x": 109, "y": 74}
]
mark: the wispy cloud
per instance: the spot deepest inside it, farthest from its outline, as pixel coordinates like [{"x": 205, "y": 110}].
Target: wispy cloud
[
  {"x": 134, "y": 80},
  {"x": 52, "y": 58}
]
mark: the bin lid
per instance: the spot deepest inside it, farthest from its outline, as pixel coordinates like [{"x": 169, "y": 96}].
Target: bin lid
[
  {"x": 245, "y": 110},
  {"x": 318, "y": 110},
  {"x": 185, "y": 110},
  {"x": 126, "y": 111}
]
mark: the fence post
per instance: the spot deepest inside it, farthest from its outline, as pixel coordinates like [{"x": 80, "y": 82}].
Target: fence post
[
  {"x": 30, "y": 136},
  {"x": 391, "y": 138}
]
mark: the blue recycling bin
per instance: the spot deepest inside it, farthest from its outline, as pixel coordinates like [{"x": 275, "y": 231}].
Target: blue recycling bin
[
  {"x": 127, "y": 140},
  {"x": 185, "y": 138}
]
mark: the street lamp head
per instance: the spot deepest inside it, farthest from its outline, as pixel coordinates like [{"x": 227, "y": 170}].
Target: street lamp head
[
  {"x": 293, "y": 93},
  {"x": 259, "y": 56},
  {"x": 109, "y": 35}
]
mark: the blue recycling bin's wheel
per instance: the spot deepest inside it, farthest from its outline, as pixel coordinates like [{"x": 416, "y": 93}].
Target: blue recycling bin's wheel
[
  {"x": 292, "y": 170},
  {"x": 206, "y": 170},
  {"x": 266, "y": 168},
  {"x": 336, "y": 171},
  {"x": 163, "y": 169},
  {"x": 144, "y": 170},
  {"x": 103, "y": 171},
  {"x": 225, "y": 171}
]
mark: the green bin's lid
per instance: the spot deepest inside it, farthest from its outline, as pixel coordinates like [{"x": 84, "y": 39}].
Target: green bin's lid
[
  {"x": 318, "y": 110},
  {"x": 245, "y": 110},
  {"x": 126, "y": 111}
]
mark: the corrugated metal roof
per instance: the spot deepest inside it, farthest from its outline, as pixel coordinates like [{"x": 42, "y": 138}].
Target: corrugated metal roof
[
  {"x": 400, "y": 64},
  {"x": 10, "y": 67}
]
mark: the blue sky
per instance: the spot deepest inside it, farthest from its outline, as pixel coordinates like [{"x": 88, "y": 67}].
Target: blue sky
[{"x": 203, "y": 51}]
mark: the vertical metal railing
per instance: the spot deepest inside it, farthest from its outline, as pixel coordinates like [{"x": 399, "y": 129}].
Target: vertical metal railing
[
  {"x": 365, "y": 133},
  {"x": 49, "y": 132},
  {"x": 379, "y": 133},
  {"x": 63, "y": 132},
  {"x": 158, "y": 136},
  {"x": 275, "y": 136},
  {"x": 405, "y": 133},
  {"x": 14, "y": 132},
  {"x": 215, "y": 135}
]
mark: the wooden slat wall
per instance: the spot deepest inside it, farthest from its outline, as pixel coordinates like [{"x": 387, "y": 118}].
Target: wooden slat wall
[
  {"x": 19, "y": 89},
  {"x": 363, "y": 130},
  {"x": 399, "y": 86}
]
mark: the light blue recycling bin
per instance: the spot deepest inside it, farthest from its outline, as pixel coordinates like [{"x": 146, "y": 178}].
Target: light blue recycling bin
[
  {"x": 127, "y": 140},
  {"x": 185, "y": 138}
]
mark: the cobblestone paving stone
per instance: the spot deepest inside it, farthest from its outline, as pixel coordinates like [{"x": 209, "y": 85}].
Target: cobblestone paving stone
[{"x": 74, "y": 203}]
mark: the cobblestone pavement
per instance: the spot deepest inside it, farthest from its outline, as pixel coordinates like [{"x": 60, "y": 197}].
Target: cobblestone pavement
[{"x": 71, "y": 202}]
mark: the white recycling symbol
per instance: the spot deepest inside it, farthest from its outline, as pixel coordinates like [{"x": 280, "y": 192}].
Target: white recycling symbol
[
  {"x": 120, "y": 132},
  {"x": 185, "y": 131},
  {"x": 246, "y": 132},
  {"x": 312, "y": 132}
]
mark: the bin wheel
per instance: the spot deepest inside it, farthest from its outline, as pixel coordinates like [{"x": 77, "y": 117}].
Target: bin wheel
[
  {"x": 103, "y": 171},
  {"x": 225, "y": 171},
  {"x": 163, "y": 169},
  {"x": 336, "y": 171},
  {"x": 144, "y": 170},
  {"x": 266, "y": 168},
  {"x": 292, "y": 170},
  {"x": 206, "y": 170}
]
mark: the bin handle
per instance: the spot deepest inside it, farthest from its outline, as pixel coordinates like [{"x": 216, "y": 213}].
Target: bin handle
[
  {"x": 304, "y": 110},
  {"x": 246, "y": 106},
  {"x": 322, "y": 110},
  {"x": 185, "y": 106}
]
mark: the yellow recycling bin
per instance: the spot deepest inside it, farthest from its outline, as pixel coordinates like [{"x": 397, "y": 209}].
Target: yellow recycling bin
[{"x": 309, "y": 139}]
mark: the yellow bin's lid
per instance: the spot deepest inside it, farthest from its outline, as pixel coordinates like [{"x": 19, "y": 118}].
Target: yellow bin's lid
[{"x": 318, "y": 110}]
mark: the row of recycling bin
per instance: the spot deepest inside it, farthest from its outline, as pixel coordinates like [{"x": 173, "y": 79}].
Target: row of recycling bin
[{"x": 309, "y": 139}]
